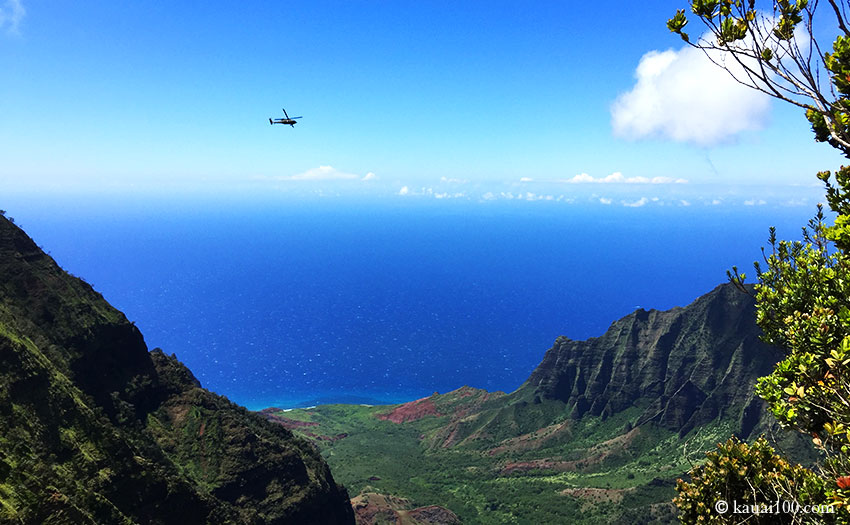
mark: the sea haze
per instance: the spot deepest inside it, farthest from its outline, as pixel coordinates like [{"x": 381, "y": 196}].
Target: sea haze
[{"x": 328, "y": 301}]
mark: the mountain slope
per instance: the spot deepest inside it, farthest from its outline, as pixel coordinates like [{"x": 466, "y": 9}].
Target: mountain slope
[
  {"x": 686, "y": 366},
  {"x": 598, "y": 433},
  {"x": 95, "y": 429}
]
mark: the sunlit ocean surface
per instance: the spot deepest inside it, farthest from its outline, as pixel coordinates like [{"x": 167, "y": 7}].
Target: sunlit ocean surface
[{"x": 296, "y": 305}]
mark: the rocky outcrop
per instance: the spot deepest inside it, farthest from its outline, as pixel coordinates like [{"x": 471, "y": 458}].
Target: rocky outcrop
[
  {"x": 638, "y": 405},
  {"x": 95, "y": 429},
  {"x": 682, "y": 367},
  {"x": 372, "y": 508}
]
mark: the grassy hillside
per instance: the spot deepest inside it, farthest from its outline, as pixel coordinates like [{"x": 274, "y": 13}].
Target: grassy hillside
[
  {"x": 563, "y": 472},
  {"x": 599, "y": 432},
  {"x": 95, "y": 429}
]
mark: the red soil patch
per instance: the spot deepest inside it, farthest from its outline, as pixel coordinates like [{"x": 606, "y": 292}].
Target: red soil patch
[
  {"x": 464, "y": 391},
  {"x": 371, "y": 508},
  {"x": 433, "y": 514},
  {"x": 595, "y": 455},
  {"x": 451, "y": 439},
  {"x": 534, "y": 440},
  {"x": 411, "y": 411}
]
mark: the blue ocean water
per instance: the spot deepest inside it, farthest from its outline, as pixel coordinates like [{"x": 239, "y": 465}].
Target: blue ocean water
[{"x": 329, "y": 301}]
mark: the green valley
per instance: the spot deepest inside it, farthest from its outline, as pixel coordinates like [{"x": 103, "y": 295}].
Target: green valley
[{"x": 599, "y": 432}]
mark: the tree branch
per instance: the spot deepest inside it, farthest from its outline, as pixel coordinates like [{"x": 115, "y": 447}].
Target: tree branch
[{"x": 839, "y": 17}]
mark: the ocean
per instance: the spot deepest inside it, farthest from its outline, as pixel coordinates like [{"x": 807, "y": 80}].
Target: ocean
[{"x": 333, "y": 301}]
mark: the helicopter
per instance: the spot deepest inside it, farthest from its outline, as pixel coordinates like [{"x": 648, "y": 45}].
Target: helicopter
[{"x": 287, "y": 120}]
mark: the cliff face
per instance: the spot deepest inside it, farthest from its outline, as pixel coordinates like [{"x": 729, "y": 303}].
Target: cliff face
[
  {"x": 597, "y": 434},
  {"x": 684, "y": 367},
  {"x": 678, "y": 370},
  {"x": 95, "y": 429}
]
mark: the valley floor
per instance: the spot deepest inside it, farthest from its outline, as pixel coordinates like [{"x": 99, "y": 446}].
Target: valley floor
[{"x": 489, "y": 458}]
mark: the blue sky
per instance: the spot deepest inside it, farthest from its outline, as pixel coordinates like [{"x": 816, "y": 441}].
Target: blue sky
[{"x": 484, "y": 101}]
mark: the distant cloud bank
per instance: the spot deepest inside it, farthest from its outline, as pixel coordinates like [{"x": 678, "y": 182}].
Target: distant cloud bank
[
  {"x": 11, "y": 14},
  {"x": 618, "y": 178},
  {"x": 682, "y": 96},
  {"x": 614, "y": 190},
  {"x": 324, "y": 173},
  {"x": 662, "y": 199}
]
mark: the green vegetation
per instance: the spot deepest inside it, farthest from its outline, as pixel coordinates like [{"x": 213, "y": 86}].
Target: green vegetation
[
  {"x": 598, "y": 434},
  {"x": 95, "y": 429},
  {"x": 586, "y": 471},
  {"x": 802, "y": 293},
  {"x": 753, "y": 475}
]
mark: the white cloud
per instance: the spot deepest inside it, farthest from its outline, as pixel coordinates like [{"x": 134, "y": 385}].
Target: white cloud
[
  {"x": 11, "y": 14},
  {"x": 636, "y": 204},
  {"x": 526, "y": 179},
  {"x": 325, "y": 173},
  {"x": 754, "y": 202},
  {"x": 369, "y": 176},
  {"x": 684, "y": 202},
  {"x": 603, "y": 200},
  {"x": 667, "y": 180},
  {"x": 581, "y": 177},
  {"x": 536, "y": 197},
  {"x": 429, "y": 192},
  {"x": 447, "y": 195},
  {"x": 453, "y": 181},
  {"x": 527, "y": 196},
  {"x": 618, "y": 178},
  {"x": 681, "y": 95}
]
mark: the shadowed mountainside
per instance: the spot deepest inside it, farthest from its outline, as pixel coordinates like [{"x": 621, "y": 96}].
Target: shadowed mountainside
[
  {"x": 686, "y": 366},
  {"x": 95, "y": 429}
]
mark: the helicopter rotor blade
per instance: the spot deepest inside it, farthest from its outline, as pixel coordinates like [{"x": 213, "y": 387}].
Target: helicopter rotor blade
[{"x": 284, "y": 112}]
